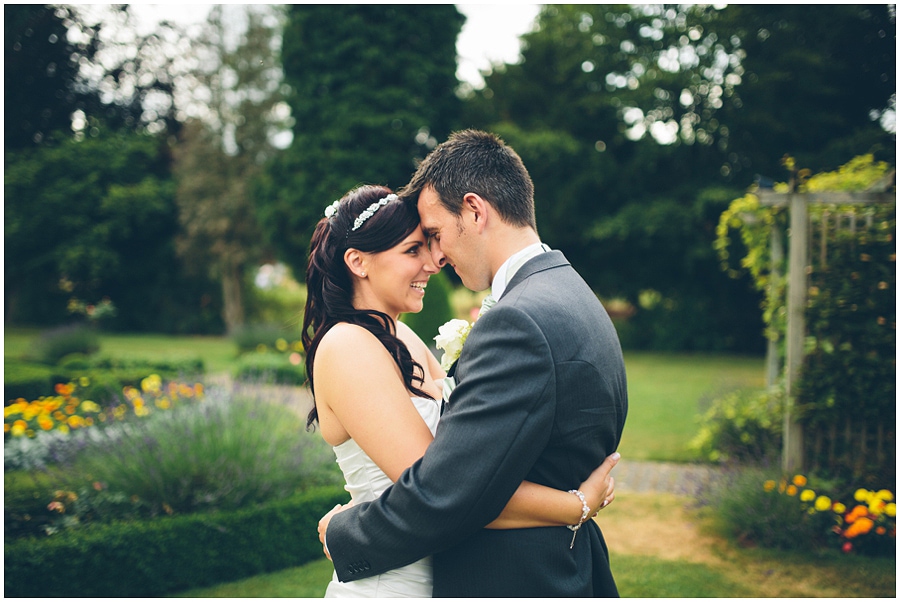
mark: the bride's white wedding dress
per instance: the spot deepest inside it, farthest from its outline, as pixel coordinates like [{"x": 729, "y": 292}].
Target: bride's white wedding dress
[{"x": 366, "y": 482}]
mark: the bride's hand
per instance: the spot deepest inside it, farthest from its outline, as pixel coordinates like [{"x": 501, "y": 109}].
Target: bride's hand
[
  {"x": 323, "y": 524},
  {"x": 600, "y": 488}
]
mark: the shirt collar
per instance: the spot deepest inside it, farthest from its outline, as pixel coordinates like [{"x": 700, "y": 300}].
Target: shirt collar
[{"x": 504, "y": 274}]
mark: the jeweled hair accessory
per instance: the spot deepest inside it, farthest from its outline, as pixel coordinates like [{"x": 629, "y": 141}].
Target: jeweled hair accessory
[
  {"x": 371, "y": 211},
  {"x": 332, "y": 208}
]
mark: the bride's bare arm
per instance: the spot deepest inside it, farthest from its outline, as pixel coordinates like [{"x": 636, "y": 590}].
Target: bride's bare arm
[
  {"x": 372, "y": 406},
  {"x": 535, "y": 505},
  {"x": 360, "y": 395}
]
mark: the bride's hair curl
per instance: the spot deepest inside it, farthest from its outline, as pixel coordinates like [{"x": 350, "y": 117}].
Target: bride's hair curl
[{"x": 329, "y": 285}]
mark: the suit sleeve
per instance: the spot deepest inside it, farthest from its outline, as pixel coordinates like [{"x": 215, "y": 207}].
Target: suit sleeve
[{"x": 500, "y": 418}]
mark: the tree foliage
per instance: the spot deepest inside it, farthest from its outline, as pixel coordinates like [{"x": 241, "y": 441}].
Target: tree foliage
[
  {"x": 90, "y": 219},
  {"x": 222, "y": 151},
  {"x": 371, "y": 89},
  {"x": 40, "y": 70},
  {"x": 640, "y": 123}
]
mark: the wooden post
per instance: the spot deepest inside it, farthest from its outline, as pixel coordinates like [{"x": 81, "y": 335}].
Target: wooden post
[
  {"x": 792, "y": 452},
  {"x": 773, "y": 362}
]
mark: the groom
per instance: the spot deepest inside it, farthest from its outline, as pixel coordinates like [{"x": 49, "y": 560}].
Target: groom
[{"x": 540, "y": 396}]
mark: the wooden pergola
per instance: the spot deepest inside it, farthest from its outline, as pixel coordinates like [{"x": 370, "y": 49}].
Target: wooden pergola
[{"x": 798, "y": 261}]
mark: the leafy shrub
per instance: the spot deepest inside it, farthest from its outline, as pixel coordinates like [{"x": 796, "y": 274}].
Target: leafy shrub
[
  {"x": 750, "y": 513},
  {"x": 25, "y": 498},
  {"x": 265, "y": 337},
  {"x": 230, "y": 449},
  {"x": 803, "y": 514},
  {"x": 281, "y": 302},
  {"x": 53, "y": 345},
  {"x": 742, "y": 426},
  {"x": 25, "y": 380},
  {"x": 169, "y": 554},
  {"x": 271, "y": 368},
  {"x": 48, "y": 429}
]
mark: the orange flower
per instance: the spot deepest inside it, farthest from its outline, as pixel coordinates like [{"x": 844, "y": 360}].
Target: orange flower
[
  {"x": 855, "y": 514},
  {"x": 769, "y": 485},
  {"x": 799, "y": 480},
  {"x": 860, "y": 527},
  {"x": 881, "y": 530},
  {"x": 791, "y": 490}
]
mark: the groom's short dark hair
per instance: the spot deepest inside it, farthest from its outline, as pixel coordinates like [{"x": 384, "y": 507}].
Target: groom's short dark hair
[{"x": 479, "y": 162}]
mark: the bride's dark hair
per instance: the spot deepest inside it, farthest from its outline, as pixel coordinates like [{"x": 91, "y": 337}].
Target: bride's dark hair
[{"x": 329, "y": 285}]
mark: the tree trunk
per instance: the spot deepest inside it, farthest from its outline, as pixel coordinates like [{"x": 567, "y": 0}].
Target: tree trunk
[{"x": 232, "y": 296}]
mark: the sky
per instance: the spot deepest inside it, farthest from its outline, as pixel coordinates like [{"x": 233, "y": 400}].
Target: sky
[{"x": 489, "y": 36}]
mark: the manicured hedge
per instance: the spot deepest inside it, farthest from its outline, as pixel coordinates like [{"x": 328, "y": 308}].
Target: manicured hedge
[
  {"x": 170, "y": 554},
  {"x": 26, "y": 380}
]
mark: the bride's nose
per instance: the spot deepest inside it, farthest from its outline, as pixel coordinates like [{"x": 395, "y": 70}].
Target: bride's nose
[{"x": 430, "y": 266}]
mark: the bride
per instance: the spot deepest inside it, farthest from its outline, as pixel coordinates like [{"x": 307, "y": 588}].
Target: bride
[{"x": 376, "y": 385}]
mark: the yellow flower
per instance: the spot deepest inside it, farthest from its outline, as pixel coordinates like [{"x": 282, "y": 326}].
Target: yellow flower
[
  {"x": 75, "y": 422},
  {"x": 45, "y": 422},
  {"x": 151, "y": 384},
  {"x": 18, "y": 428},
  {"x": 769, "y": 485},
  {"x": 281, "y": 345},
  {"x": 876, "y": 506},
  {"x": 823, "y": 503},
  {"x": 791, "y": 490},
  {"x": 84, "y": 381},
  {"x": 862, "y": 495},
  {"x": 807, "y": 495},
  {"x": 799, "y": 480},
  {"x": 839, "y": 508},
  {"x": 891, "y": 509},
  {"x": 885, "y": 495},
  {"x": 89, "y": 406}
]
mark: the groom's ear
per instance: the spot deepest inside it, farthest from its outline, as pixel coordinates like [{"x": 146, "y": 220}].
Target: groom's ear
[{"x": 475, "y": 210}]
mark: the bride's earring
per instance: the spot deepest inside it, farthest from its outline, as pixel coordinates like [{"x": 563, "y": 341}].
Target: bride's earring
[{"x": 363, "y": 274}]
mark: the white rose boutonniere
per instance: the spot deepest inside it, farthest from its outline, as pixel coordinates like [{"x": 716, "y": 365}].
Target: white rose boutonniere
[{"x": 451, "y": 337}]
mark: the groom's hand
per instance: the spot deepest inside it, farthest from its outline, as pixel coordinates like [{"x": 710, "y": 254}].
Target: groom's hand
[{"x": 323, "y": 526}]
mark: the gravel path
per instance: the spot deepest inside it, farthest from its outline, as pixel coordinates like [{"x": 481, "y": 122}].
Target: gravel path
[{"x": 666, "y": 477}]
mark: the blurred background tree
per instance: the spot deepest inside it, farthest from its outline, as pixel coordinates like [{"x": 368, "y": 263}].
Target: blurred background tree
[
  {"x": 640, "y": 123},
  {"x": 371, "y": 90},
  {"x": 222, "y": 150},
  {"x": 88, "y": 193}
]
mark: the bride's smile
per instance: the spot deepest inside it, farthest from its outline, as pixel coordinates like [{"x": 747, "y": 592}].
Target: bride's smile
[{"x": 394, "y": 281}]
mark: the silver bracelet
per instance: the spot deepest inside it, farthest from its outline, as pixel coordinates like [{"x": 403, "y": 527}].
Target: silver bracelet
[{"x": 585, "y": 511}]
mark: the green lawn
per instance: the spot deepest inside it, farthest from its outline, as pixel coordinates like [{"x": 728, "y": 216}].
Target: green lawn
[
  {"x": 666, "y": 393},
  {"x": 218, "y": 353}
]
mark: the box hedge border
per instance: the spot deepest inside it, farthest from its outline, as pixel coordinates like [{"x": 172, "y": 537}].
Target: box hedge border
[{"x": 171, "y": 554}]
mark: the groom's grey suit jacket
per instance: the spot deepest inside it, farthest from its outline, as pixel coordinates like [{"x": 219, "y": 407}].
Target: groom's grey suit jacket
[{"x": 541, "y": 396}]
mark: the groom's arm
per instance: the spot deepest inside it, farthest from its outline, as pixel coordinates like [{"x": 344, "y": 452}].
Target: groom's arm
[{"x": 500, "y": 421}]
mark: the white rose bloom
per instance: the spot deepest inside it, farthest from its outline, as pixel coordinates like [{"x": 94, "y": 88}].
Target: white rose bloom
[{"x": 450, "y": 338}]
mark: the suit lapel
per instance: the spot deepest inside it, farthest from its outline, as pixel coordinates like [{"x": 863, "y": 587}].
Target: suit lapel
[{"x": 539, "y": 263}]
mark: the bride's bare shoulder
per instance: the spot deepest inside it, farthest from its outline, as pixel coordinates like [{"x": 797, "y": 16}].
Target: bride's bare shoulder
[{"x": 346, "y": 340}]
